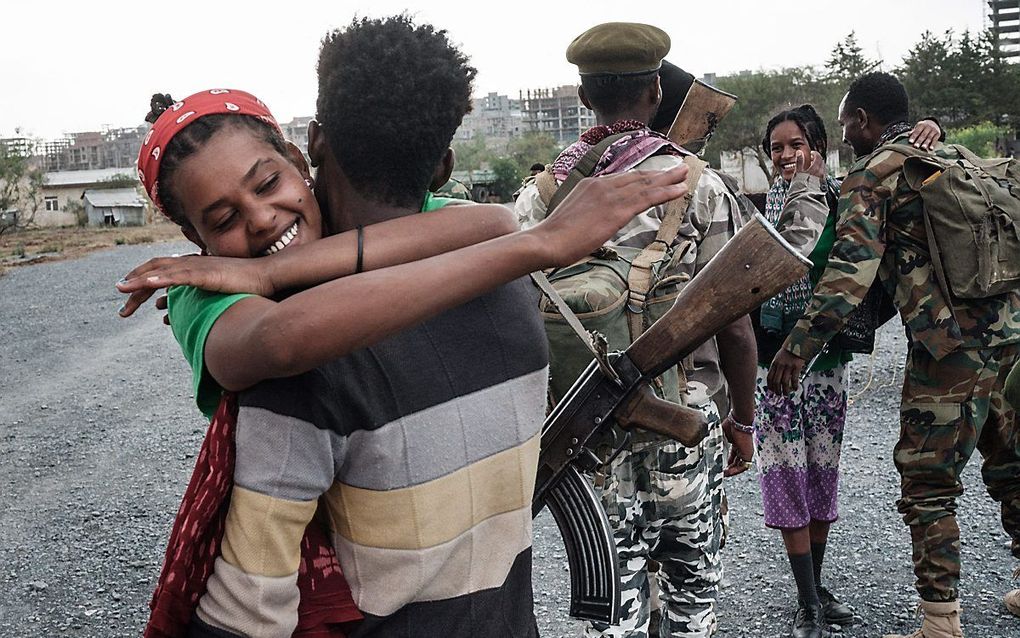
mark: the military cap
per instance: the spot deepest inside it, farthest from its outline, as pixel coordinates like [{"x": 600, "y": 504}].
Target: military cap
[{"x": 619, "y": 48}]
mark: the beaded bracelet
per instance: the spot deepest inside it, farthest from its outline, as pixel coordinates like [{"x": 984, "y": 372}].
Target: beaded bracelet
[{"x": 740, "y": 427}]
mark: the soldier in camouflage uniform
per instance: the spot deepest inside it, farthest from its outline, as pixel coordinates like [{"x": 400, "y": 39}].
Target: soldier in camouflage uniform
[
  {"x": 960, "y": 350},
  {"x": 454, "y": 189},
  {"x": 664, "y": 500}
]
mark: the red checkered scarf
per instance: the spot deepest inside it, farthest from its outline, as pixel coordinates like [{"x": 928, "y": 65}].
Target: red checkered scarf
[
  {"x": 623, "y": 155},
  {"x": 326, "y": 602},
  {"x": 181, "y": 115}
]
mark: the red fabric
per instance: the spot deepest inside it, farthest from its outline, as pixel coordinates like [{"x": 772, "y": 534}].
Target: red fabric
[
  {"x": 179, "y": 116},
  {"x": 326, "y": 601}
]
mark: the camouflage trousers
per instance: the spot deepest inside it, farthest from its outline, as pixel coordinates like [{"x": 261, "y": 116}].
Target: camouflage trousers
[
  {"x": 664, "y": 503},
  {"x": 950, "y": 408}
]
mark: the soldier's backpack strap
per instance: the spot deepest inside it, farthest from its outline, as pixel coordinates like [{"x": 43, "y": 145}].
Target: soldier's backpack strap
[
  {"x": 546, "y": 184},
  {"x": 639, "y": 278},
  {"x": 584, "y": 168}
]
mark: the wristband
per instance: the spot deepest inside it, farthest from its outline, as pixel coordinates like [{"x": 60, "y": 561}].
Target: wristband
[
  {"x": 361, "y": 249},
  {"x": 738, "y": 426}
]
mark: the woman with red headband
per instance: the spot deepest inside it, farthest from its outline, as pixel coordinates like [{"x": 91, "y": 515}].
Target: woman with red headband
[{"x": 216, "y": 164}]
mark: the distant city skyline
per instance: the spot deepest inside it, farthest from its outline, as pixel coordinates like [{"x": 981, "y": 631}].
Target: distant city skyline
[{"x": 68, "y": 67}]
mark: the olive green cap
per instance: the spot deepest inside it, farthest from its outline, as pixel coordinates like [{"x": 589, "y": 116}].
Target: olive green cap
[{"x": 619, "y": 48}]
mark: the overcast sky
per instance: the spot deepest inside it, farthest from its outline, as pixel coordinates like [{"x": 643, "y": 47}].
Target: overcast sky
[{"x": 76, "y": 66}]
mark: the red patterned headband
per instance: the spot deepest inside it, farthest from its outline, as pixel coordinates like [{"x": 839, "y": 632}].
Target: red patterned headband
[{"x": 173, "y": 120}]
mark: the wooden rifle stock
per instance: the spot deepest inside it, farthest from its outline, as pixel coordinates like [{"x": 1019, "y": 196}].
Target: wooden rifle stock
[
  {"x": 647, "y": 411},
  {"x": 752, "y": 267}
]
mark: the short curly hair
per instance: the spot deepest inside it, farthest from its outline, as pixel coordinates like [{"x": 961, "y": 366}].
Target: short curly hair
[
  {"x": 881, "y": 95},
  {"x": 611, "y": 93},
  {"x": 391, "y": 96}
]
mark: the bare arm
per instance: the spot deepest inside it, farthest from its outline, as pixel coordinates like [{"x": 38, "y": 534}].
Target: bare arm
[
  {"x": 396, "y": 241},
  {"x": 738, "y": 361},
  {"x": 258, "y": 338}
]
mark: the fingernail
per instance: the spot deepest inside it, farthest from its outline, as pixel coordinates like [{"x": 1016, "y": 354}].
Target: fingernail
[
  {"x": 122, "y": 280},
  {"x": 122, "y": 309}
]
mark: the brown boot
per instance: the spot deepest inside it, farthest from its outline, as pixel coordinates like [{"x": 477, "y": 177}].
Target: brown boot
[
  {"x": 941, "y": 620},
  {"x": 1012, "y": 598}
]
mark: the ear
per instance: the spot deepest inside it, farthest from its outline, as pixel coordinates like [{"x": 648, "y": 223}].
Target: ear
[
  {"x": 189, "y": 231},
  {"x": 862, "y": 117},
  {"x": 316, "y": 143},
  {"x": 584, "y": 98},
  {"x": 297, "y": 158},
  {"x": 655, "y": 91},
  {"x": 444, "y": 169}
]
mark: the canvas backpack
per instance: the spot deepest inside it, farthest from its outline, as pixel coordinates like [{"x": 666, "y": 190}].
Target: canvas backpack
[
  {"x": 618, "y": 291},
  {"x": 972, "y": 218}
]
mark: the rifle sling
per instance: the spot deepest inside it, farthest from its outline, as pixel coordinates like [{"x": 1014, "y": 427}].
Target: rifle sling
[
  {"x": 639, "y": 278},
  {"x": 586, "y": 337},
  {"x": 584, "y": 168}
]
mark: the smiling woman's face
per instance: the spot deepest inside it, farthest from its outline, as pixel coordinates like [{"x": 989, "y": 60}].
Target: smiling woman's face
[
  {"x": 786, "y": 139},
  {"x": 243, "y": 198}
]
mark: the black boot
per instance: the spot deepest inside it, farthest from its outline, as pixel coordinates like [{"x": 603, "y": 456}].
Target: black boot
[
  {"x": 834, "y": 611},
  {"x": 809, "y": 623}
]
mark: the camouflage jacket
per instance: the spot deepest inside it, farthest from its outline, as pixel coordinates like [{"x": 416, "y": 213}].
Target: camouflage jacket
[
  {"x": 880, "y": 232},
  {"x": 712, "y": 219},
  {"x": 804, "y": 214}
]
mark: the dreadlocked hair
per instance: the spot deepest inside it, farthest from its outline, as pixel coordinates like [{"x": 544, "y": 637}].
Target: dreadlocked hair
[
  {"x": 610, "y": 93},
  {"x": 391, "y": 96},
  {"x": 881, "y": 95},
  {"x": 191, "y": 138},
  {"x": 809, "y": 123}
]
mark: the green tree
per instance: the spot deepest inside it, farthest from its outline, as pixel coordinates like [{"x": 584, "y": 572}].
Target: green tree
[
  {"x": 508, "y": 176},
  {"x": 471, "y": 154},
  {"x": 980, "y": 138},
  {"x": 975, "y": 83},
  {"x": 847, "y": 62},
  {"x": 533, "y": 147},
  {"x": 20, "y": 188}
]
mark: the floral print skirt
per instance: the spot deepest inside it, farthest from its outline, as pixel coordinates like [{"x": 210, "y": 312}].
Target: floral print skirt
[{"x": 797, "y": 441}]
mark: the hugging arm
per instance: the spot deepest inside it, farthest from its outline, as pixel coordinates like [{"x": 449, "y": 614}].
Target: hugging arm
[
  {"x": 392, "y": 242},
  {"x": 257, "y": 338}
]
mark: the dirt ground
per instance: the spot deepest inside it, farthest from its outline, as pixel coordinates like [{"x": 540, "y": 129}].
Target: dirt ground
[
  {"x": 98, "y": 436},
  {"x": 18, "y": 248}
]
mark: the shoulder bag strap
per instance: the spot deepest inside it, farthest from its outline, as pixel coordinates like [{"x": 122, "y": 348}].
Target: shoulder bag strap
[
  {"x": 584, "y": 168},
  {"x": 639, "y": 278}
]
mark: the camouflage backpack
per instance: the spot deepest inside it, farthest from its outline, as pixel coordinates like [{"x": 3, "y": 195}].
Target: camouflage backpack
[
  {"x": 618, "y": 291},
  {"x": 972, "y": 217}
]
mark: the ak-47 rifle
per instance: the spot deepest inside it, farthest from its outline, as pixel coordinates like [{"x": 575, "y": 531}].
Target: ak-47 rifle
[{"x": 753, "y": 266}]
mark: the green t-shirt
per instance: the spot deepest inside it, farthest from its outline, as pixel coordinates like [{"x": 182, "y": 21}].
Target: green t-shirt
[{"x": 193, "y": 312}]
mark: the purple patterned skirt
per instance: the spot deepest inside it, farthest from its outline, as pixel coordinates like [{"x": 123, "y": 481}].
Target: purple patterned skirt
[{"x": 797, "y": 441}]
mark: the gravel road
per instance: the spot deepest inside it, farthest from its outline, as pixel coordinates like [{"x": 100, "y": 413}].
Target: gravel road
[{"x": 98, "y": 435}]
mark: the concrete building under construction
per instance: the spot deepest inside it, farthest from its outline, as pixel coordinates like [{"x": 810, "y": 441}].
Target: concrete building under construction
[
  {"x": 93, "y": 150},
  {"x": 556, "y": 112},
  {"x": 1003, "y": 21}
]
